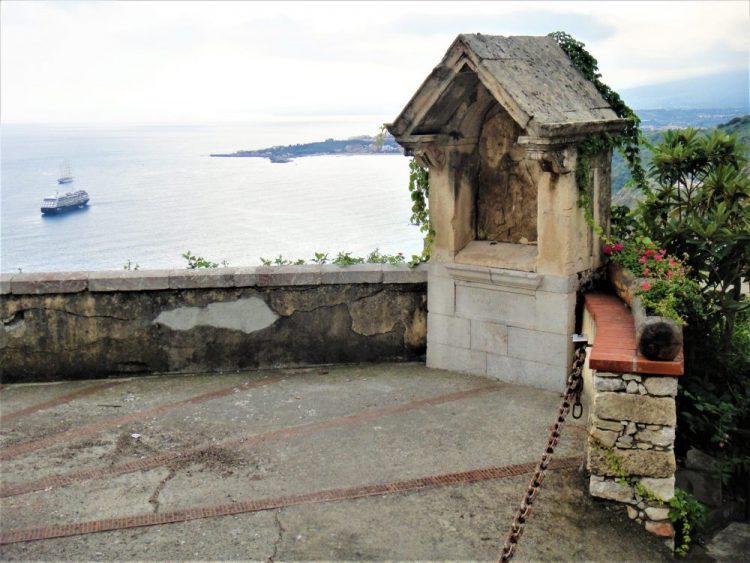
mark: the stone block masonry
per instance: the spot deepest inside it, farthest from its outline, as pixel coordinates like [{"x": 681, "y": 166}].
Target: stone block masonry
[
  {"x": 82, "y": 325},
  {"x": 508, "y": 325},
  {"x": 632, "y": 424}
]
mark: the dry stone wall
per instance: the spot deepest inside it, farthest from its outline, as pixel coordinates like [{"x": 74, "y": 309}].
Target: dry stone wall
[
  {"x": 631, "y": 445},
  {"x": 94, "y": 324}
]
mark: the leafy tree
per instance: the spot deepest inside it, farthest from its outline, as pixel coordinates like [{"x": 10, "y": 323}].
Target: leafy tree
[{"x": 700, "y": 209}]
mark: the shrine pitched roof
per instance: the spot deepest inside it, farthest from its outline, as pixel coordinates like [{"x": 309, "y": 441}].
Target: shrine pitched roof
[{"x": 530, "y": 77}]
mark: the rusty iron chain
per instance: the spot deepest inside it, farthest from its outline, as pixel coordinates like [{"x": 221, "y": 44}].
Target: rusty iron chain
[{"x": 572, "y": 398}]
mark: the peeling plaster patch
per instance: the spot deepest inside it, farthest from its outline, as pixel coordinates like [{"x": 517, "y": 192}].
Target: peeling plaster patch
[
  {"x": 247, "y": 315},
  {"x": 375, "y": 314}
]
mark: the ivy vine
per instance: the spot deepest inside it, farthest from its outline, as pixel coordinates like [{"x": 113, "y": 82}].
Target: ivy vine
[
  {"x": 628, "y": 142},
  {"x": 419, "y": 188}
]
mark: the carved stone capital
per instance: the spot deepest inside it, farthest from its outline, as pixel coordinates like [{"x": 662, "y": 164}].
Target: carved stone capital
[
  {"x": 554, "y": 156},
  {"x": 430, "y": 156},
  {"x": 556, "y": 162}
]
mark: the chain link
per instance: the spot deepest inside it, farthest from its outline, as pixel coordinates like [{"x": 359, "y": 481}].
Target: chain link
[{"x": 572, "y": 399}]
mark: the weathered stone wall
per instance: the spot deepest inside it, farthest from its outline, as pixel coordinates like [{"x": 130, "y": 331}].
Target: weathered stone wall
[
  {"x": 83, "y": 325},
  {"x": 632, "y": 424}
]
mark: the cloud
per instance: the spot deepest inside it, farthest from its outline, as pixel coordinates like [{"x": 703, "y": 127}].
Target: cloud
[{"x": 196, "y": 61}]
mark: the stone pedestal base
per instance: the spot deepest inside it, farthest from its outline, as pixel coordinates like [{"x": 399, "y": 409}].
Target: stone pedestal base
[{"x": 509, "y": 325}]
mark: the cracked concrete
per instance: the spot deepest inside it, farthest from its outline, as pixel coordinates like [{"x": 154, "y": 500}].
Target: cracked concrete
[
  {"x": 154, "y": 498},
  {"x": 375, "y": 314},
  {"x": 281, "y": 530},
  {"x": 73, "y": 313},
  {"x": 458, "y": 522}
]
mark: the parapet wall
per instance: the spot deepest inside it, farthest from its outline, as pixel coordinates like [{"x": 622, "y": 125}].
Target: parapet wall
[{"x": 92, "y": 324}]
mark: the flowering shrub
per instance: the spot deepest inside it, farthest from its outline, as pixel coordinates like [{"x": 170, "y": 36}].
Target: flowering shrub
[{"x": 667, "y": 291}]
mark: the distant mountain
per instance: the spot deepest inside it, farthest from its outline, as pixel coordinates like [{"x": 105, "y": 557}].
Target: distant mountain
[{"x": 724, "y": 90}]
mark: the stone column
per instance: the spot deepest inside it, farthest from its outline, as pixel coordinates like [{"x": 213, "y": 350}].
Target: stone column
[{"x": 452, "y": 197}]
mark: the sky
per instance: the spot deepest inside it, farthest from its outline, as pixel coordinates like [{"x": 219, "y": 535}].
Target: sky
[{"x": 195, "y": 62}]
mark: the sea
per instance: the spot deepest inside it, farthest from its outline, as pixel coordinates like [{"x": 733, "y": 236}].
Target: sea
[{"x": 156, "y": 194}]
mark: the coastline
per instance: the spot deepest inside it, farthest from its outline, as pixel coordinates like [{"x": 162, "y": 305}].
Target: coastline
[{"x": 363, "y": 145}]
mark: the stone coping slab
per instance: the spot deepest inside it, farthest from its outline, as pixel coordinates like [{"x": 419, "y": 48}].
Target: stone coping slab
[
  {"x": 158, "y": 280},
  {"x": 614, "y": 348},
  {"x": 147, "y": 280},
  {"x": 49, "y": 282},
  {"x": 5, "y": 283}
]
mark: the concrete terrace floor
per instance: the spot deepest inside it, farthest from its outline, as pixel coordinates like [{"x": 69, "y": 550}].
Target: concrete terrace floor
[{"x": 320, "y": 463}]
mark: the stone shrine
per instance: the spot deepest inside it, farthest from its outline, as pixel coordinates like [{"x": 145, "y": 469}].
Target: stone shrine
[{"x": 497, "y": 123}]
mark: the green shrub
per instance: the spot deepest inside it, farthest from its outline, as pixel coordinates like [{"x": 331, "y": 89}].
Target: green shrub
[
  {"x": 341, "y": 259},
  {"x": 195, "y": 262}
]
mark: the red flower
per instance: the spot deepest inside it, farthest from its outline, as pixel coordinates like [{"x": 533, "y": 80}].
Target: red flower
[
  {"x": 650, "y": 252},
  {"x": 607, "y": 250},
  {"x": 646, "y": 271},
  {"x": 662, "y": 251},
  {"x": 618, "y": 246},
  {"x": 642, "y": 260},
  {"x": 658, "y": 257},
  {"x": 672, "y": 262},
  {"x": 646, "y": 286}
]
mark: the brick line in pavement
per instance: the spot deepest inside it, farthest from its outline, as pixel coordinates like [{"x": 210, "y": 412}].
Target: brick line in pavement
[{"x": 245, "y": 506}]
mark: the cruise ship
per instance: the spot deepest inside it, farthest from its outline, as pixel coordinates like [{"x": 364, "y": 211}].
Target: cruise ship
[{"x": 65, "y": 202}]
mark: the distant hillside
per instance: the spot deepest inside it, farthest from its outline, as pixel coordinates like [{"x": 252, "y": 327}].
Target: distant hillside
[
  {"x": 739, "y": 126},
  {"x": 725, "y": 90}
]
